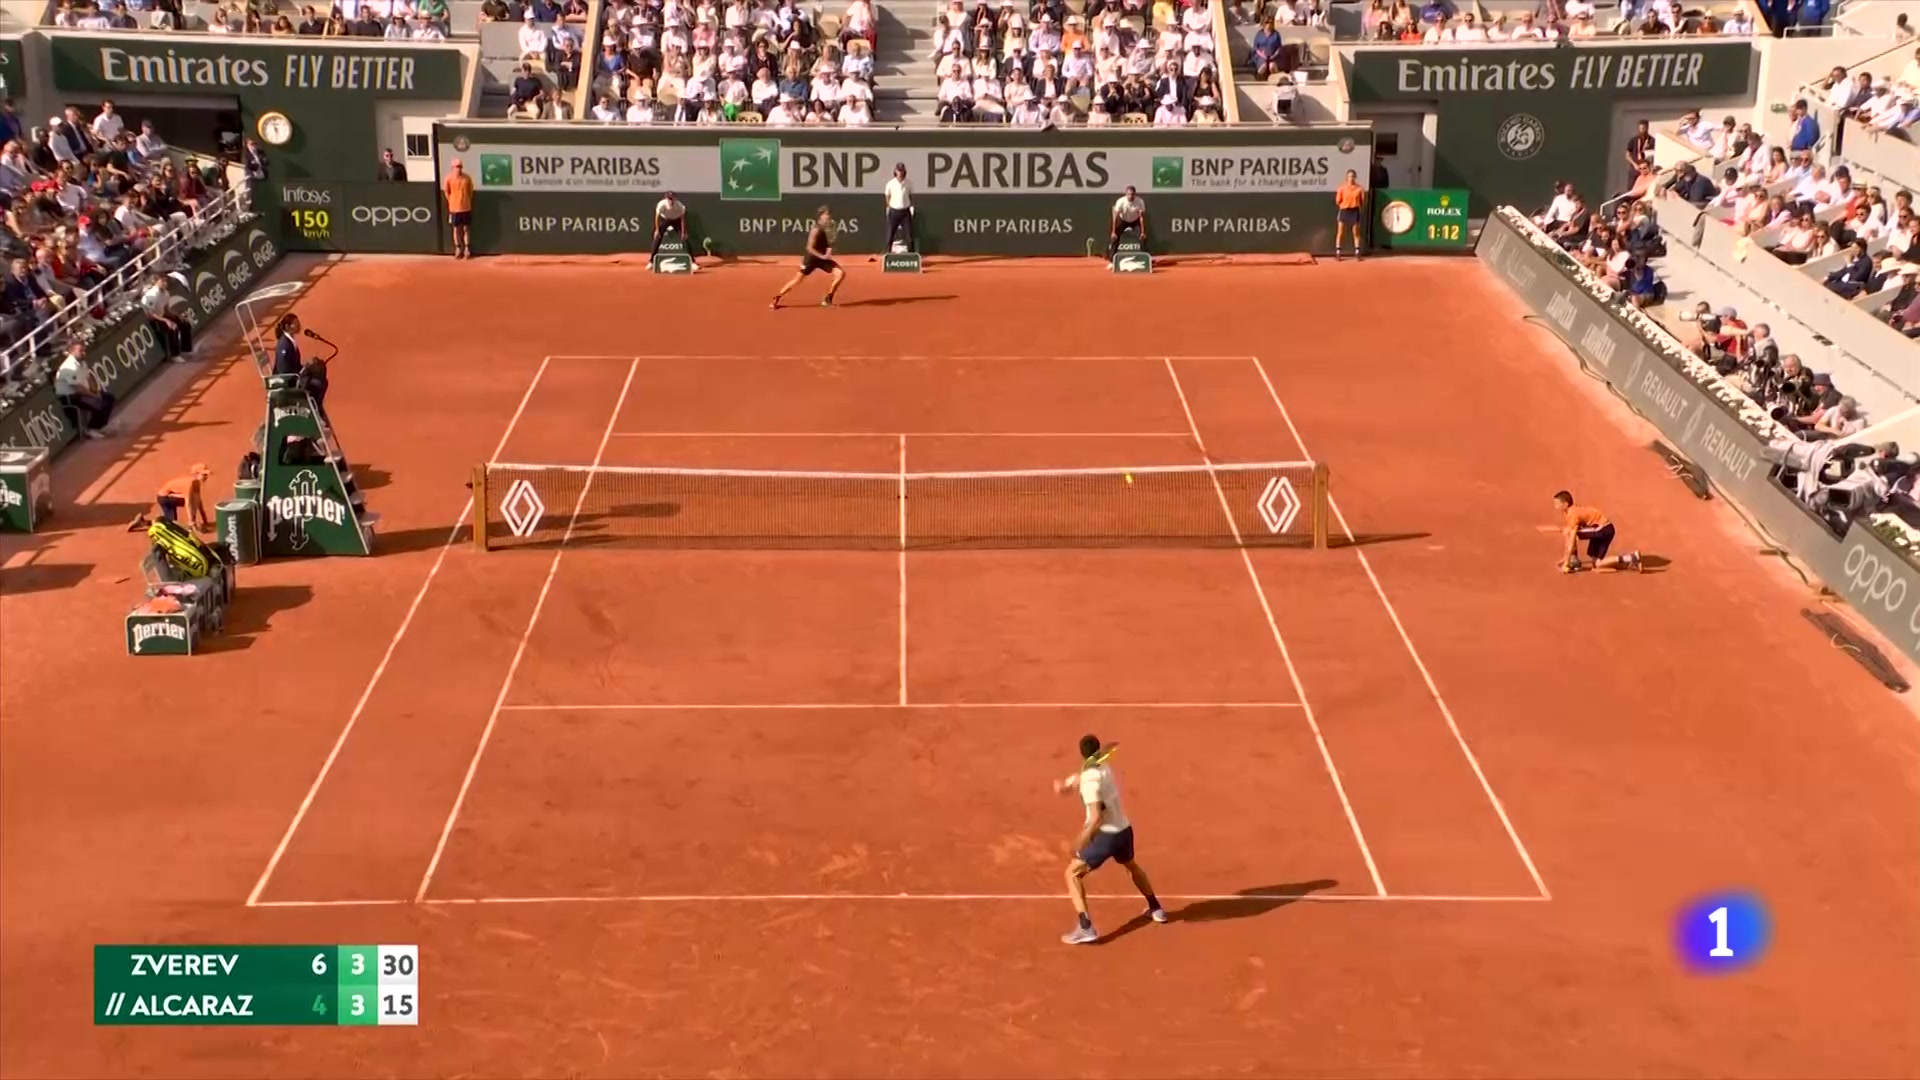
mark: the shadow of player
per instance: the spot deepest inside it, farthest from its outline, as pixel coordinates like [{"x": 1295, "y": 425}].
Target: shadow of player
[{"x": 1243, "y": 904}]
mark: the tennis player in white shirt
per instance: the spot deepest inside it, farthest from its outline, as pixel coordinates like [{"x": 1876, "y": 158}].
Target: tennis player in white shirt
[{"x": 1106, "y": 834}]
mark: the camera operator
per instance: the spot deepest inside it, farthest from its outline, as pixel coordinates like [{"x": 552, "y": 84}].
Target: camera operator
[{"x": 1864, "y": 488}]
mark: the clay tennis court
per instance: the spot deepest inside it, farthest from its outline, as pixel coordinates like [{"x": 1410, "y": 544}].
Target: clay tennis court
[{"x": 1419, "y": 806}]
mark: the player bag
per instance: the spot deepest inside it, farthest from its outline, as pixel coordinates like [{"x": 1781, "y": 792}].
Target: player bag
[{"x": 181, "y": 549}]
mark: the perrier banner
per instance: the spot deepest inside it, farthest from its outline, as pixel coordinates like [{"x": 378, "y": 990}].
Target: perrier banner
[
  {"x": 1511, "y": 121},
  {"x": 589, "y": 189}
]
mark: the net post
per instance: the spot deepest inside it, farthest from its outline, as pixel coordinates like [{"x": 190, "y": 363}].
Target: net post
[
  {"x": 480, "y": 504},
  {"x": 1321, "y": 478}
]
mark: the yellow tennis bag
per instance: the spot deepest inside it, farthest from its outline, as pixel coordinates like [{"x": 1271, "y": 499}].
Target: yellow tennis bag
[{"x": 183, "y": 550}]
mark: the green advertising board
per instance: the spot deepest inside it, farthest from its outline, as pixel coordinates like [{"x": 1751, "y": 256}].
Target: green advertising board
[
  {"x": 13, "y": 67},
  {"x": 365, "y": 217},
  {"x": 589, "y": 189},
  {"x": 125, "y": 353},
  {"x": 1511, "y": 121},
  {"x": 329, "y": 88},
  {"x": 1423, "y": 218}
]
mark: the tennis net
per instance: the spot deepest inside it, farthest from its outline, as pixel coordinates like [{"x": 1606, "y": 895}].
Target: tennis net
[{"x": 1271, "y": 504}]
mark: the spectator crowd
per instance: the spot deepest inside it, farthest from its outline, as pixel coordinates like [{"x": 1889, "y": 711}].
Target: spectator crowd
[
  {"x": 1864, "y": 238},
  {"x": 391, "y": 20},
  {"x": 1121, "y": 61},
  {"x": 669, "y": 61},
  {"x": 84, "y": 196},
  {"x": 1435, "y": 22}
]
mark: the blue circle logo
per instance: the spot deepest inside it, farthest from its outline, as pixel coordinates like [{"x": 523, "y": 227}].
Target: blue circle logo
[{"x": 1722, "y": 933}]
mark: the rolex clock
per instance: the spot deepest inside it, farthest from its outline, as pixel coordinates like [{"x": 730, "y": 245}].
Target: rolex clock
[
  {"x": 275, "y": 128},
  {"x": 1397, "y": 216}
]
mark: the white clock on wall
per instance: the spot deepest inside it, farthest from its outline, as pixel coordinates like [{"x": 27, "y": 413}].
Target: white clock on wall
[
  {"x": 275, "y": 128},
  {"x": 1397, "y": 217}
]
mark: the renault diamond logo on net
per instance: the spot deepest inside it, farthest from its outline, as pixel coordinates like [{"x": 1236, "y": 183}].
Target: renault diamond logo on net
[{"x": 522, "y": 508}]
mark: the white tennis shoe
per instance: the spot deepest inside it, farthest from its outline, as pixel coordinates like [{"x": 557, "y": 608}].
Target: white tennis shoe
[{"x": 1081, "y": 935}]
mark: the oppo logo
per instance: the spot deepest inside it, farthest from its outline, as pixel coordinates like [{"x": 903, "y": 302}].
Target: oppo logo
[
  {"x": 1870, "y": 579},
  {"x": 134, "y": 348},
  {"x": 391, "y": 215}
]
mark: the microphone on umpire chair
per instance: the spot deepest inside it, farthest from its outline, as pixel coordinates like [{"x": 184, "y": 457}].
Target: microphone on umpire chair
[{"x": 316, "y": 337}]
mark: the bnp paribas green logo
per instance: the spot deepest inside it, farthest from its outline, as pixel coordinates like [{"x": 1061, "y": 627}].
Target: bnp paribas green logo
[
  {"x": 1169, "y": 171},
  {"x": 496, "y": 170},
  {"x": 750, "y": 170}
]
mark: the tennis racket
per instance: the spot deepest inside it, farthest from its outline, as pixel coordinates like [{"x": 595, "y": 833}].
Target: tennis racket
[{"x": 1105, "y": 753}]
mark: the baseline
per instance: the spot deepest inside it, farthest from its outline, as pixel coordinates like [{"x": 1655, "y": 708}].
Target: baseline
[
  {"x": 380, "y": 670},
  {"x": 1406, "y": 639},
  {"x": 909, "y": 897}
]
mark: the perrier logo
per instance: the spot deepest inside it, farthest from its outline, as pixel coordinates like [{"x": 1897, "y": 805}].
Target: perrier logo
[
  {"x": 1169, "y": 172},
  {"x": 306, "y": 501},
  {"x": 750, "y": 170}
]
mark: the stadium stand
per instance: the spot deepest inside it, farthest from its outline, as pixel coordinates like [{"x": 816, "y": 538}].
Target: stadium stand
[
  {"x": 1785, "y": 256},
  {"x": 93, "y": 209},
  {"x": 1067, "y": 63},
  {"x": 681, "y": 63}
]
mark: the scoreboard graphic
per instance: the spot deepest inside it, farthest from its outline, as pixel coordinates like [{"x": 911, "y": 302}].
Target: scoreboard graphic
[{"x": 257, "y": 985}]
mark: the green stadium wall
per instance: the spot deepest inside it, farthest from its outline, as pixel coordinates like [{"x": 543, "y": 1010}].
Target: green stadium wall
[
  {"x": 590, "y": 189},
  {"x": 1511, "y": 121}
]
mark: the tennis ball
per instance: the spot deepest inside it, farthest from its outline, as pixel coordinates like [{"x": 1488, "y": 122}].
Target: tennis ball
[{"x": 1129, "y": 477}]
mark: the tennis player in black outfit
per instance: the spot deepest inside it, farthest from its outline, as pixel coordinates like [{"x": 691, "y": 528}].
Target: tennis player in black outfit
[{"x": 818, "y": 256}]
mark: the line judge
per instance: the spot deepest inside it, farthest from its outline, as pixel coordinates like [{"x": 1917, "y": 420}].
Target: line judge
[
  {"x": 900, "y": 208},
  {"x": 1129, "y": 215},
  {"x": 669, "y": 216}
]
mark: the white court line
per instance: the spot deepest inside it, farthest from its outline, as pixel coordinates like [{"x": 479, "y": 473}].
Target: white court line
[
  {"x": 366, "y": 694},
  {"x": 688, "y": 358},
  {"x": 901, "y": 500},
  {"x": 837, "y": 706},
  {"x": 891, "y": 434},
  {"x": 520, "y": 650},
  {"x": 1406, "y": 639},
  {"x": 950, "y": 898},
  {"x": 1259, "y": 591}
]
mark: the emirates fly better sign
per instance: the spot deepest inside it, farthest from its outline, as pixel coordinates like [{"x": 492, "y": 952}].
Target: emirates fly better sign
[{"x": 766, "y": 169}]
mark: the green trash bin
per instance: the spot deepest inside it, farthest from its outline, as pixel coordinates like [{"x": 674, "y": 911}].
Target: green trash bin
[
  {"x": 237, "y": 527},
  {"x": 246, "y": 491}
]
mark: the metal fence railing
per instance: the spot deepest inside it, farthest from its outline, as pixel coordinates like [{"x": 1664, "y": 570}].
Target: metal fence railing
[{"x": 100, "y": 303}]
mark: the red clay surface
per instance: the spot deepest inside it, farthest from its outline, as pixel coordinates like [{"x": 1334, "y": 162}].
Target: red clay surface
[{"x": 1652, "y": 737}]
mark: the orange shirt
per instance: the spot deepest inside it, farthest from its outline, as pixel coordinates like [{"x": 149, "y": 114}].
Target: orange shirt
[
  {"x": 459, "y": 189},
  {"x": 1350, "y": 196},
  {"x": 180, "y": 487},
  {"x": 1585, "y": 517}
]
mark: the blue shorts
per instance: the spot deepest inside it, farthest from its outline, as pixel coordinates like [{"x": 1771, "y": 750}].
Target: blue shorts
[
  {"x": 1598, "y": 540},
  {"x": 1117, "y": 846}
]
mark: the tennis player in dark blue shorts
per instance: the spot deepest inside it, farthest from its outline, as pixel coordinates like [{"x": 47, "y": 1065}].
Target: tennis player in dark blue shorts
[
  {"x": 1106, "y": 836},
  {"x": 817, "y": 257}
]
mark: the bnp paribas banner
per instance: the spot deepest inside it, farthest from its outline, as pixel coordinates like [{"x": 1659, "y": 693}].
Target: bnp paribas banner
[
  {"x": 1512, "y": 120},
  {"x": 328, "y": 91},
  {"x": 571, "y": 189},
  {"x": 124, "y": 354}
]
